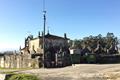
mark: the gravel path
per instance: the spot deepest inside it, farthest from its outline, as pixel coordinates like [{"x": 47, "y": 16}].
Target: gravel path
[{"x": 79, "y": 72}]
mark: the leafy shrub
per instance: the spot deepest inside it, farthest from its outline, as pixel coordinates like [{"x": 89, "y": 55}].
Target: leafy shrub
[
  {"x": 91, "y": 59},
  {"x": 75, "y": 58}
]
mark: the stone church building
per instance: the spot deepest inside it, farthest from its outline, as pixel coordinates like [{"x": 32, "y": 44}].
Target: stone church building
[
  {"x": 31, "y": 55},
  {"x": 35, "y": 45}
]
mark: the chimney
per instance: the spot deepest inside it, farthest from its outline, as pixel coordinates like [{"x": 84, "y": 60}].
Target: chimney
[
  {"x": 20, "y": 48},
  {"x": 65, "y": 36},
  {"x": 39, "y": 34},
  {"x": 42, "y": 33},
  {"x": 25, "y": 42}
]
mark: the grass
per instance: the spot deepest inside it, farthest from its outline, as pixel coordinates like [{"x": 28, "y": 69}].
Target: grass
[
  {"x": 8, "y": 72},
  {"x": 11, "y": 75},
  {"x": 12, "y": 70},
  {"x": 22, "y": 77}
]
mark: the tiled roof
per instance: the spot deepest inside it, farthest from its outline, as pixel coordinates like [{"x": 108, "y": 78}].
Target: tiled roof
[
  {"x": 49, "y": 36},
  {"x": 53, "y": 36}
]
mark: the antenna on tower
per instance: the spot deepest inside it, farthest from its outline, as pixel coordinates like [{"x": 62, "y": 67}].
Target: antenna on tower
[
  {"x": 43, "y": 5},
  {"x": 44, "y": 27},
  {"x": 44, "y": 16}
]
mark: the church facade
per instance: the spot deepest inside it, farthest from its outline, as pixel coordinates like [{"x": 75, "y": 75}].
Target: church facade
[{"x": 35, "y": 45}]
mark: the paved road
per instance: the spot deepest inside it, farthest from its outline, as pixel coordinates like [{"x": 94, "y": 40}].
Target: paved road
[{"x": 79, "y": 72}]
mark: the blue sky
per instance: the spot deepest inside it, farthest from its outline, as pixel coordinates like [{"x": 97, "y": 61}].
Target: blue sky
[{"x": 77, "y": 18}]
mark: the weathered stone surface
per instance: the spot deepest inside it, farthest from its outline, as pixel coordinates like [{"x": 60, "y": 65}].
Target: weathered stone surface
[{"x": 18, "y": 61}]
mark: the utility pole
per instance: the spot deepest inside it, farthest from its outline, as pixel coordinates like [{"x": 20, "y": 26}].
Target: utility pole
[{"x": 44, "y": 25}]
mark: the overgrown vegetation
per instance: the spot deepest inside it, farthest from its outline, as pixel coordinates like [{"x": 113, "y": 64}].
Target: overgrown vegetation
[{"x": 91, "y": 42}]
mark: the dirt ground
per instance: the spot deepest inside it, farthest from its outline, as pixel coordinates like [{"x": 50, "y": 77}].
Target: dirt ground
[{"x": 79, "y": 72}]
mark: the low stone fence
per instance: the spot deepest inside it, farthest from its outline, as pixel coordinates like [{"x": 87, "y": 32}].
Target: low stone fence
[
  {"x": 111, "y": 58},
  {"x": 93, "y": 58}
]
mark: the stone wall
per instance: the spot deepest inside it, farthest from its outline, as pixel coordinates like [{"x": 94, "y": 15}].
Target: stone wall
[{"x": 18, "y": 61}]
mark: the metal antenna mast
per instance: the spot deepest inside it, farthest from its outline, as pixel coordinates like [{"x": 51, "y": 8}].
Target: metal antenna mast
[{"x": 44, "y": 25}]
